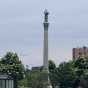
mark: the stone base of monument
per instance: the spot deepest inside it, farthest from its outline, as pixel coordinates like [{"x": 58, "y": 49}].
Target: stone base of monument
[{"x": 49, "y": 86}]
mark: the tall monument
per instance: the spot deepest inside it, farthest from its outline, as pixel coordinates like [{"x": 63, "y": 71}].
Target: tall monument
[
  {"x": 45, "y": 52},
  {"x": 46, "y": 25}
]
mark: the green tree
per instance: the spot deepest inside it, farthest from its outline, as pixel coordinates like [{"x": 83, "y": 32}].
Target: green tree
[
  {"x": 36, "y": 79},
  {"x": 66, "y": 74},
  {"x": 81, "y": 68},
  {"x": 53, "y": 73}
]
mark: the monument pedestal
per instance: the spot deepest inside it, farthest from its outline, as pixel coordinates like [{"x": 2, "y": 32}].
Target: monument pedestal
[{"x": 49, "y": 86}]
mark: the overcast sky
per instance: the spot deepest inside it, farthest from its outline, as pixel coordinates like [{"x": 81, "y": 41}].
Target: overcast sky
[{"x": 21, "y": 28}]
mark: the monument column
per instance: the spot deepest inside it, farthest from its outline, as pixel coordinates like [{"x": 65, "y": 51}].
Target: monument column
[
  {"x": 46, "y": 25},
  {"x": 45, "y": 57}
]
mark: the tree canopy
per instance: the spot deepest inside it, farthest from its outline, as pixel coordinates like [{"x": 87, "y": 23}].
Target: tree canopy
[
  {"x": 66, "y": 75},
  {"x": 11, "y": 65}
]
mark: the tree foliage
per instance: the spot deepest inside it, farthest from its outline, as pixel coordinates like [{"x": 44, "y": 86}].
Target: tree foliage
[
  {"x": 11, "y": 65},
  {"x": 36, "y": 79},
  {"x": 70, "y": 74},
  {"x": 53, "y": 73},
  {"x": 66, "y": 75}
]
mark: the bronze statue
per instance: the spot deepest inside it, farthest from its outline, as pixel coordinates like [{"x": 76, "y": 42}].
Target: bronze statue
[{"x": 46, "y": 15}]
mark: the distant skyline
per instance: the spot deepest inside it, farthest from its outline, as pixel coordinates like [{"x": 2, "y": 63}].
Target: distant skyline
[{"x": 21, "y": 28}]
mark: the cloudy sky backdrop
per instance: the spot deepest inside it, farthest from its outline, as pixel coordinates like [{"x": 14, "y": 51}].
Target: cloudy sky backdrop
[{"x": 21, "y": 28}]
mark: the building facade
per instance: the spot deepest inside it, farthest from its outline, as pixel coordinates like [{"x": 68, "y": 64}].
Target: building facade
[
  {"x": 6, "y": 81},
  {"x": 77, "y": 52}
]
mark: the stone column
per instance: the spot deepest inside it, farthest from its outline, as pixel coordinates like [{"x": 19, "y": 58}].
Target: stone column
[{"x": 45, "y": 57}]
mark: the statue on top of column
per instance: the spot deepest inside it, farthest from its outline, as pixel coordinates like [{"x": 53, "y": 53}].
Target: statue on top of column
[{"x": 46, "y": 15}]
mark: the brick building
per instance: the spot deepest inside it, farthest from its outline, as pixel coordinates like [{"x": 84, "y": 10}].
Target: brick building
[{"x": 77, "y": 52}]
